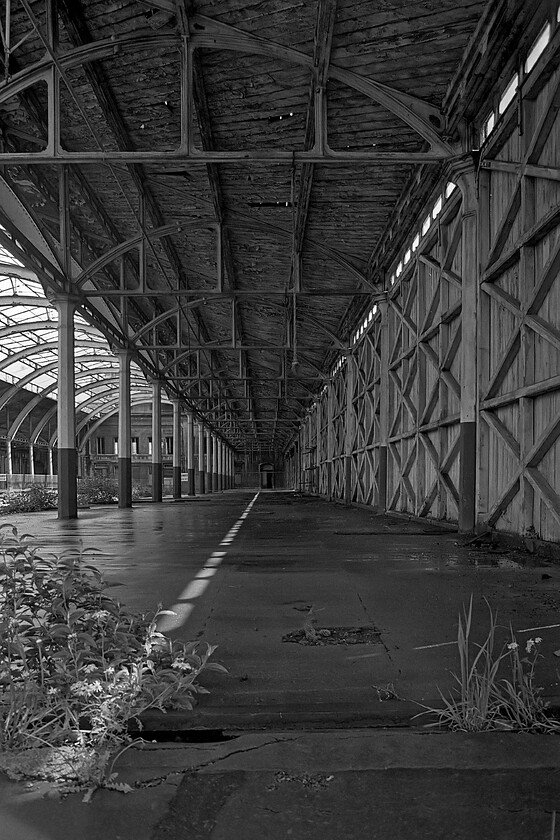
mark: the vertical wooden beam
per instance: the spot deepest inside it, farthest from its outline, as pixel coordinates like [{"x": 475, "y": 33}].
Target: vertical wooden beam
[
  {"x": 384, "y": 407},
  {"x": 330, "y": 439},
  {"x": 483, "y": 341},
  {"x": 465, "y": 178},
  {"x": 349, "y": 422},
  {"x": 421, "y": 378},
  {"x": 443, "y": 434},
  {"x": 318, "y": 415},
  {"x": 527, "y": 279}
]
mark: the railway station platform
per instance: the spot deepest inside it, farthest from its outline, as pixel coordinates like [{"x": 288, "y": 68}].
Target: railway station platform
[{"x": 336, "y": 624}]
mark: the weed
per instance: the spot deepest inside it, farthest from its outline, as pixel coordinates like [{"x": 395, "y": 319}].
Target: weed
[
  {"x": 483, "y": 698},
  {"x": 75, "y": 665}
]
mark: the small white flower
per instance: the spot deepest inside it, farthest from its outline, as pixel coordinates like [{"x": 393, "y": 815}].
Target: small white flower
[
  {"x": 530, "y": 645},
  {"x": 513, "y": 646},
  {"x": 180, "y": 665},
  {"x": 89, "y": 669},
  {"x": 538, "y": 640}
]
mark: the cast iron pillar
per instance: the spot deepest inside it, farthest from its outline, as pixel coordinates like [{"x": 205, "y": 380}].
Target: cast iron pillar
[
  {"x": 66, "y": 409},
  {"x": 201, "y": 472},
  {"x": 215, "y": 461},
  {"x": 125, "y": 430},
  {"x": 176, "y": 449},
  {"x": 157, "y": 463},
  {"x": 190, "y": 453},
  {"x": 221, "y": 462},
  {"x": 209, "y": 482}
]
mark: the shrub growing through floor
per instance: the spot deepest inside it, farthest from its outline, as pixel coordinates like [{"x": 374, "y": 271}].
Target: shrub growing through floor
[
  {"x": 30, "y": 500},
  {"x": 75, "y": 665},
  {"x": 105, "y": 491},
  {"x": 495, "y": 689},
  {"x": 97, "y": 490}
]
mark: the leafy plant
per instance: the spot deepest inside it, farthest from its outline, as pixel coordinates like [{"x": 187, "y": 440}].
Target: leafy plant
[
  {"x": 97, "y": 490},
  {"x": 483, "y": 697},
  {"x": 31, "y": 499},
  {"x": 75, "y": 665},
  {"x": 141, "y": 491}
]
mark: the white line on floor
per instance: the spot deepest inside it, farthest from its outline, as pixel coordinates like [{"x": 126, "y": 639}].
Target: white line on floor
[{"x": 196, "y": 587}]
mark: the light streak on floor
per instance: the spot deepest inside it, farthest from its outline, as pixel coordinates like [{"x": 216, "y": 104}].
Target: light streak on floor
[{"x": 176, "y": 615}]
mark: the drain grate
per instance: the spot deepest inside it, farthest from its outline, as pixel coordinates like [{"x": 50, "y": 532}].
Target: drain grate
[{"x": 335, "y": 636}]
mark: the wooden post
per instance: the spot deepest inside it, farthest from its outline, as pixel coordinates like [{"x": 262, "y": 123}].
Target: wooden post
[
  {"x": 318, "y": 447},
  {"x": 483, "y": 343},
  {"x": 527, "y": 279},
  {"x": 330, "y": 440},
  {"x": 465, "y": 178},
  {"x": 349, "y": 427},
  {"x": 384, "y": 407}
]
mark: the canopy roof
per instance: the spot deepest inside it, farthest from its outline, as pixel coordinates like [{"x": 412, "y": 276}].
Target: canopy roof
[{"x": 227, "y": 187}]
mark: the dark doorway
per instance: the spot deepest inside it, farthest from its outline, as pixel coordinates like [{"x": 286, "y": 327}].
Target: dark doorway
[{"x": 267, "y": 476}]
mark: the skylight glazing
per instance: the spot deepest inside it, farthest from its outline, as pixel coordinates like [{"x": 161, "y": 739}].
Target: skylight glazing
[{"x": 29, "y": 344}]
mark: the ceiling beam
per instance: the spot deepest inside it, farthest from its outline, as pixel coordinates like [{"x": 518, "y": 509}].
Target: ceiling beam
[{"x": 79, "y": 35}]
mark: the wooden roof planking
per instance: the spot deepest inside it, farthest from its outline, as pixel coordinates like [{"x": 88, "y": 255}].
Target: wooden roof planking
[{"x": 233, "y": 169}]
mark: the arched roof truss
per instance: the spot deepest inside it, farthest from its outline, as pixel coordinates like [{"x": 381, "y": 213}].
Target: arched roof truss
[{"x": 235, "y": 184}]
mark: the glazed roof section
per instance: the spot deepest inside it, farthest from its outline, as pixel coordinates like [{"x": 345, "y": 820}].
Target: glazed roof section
[{"x": 29, "y": 350}]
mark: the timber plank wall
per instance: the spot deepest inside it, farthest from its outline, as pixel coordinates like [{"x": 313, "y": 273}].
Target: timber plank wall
[{"x": 385, "y": 431}]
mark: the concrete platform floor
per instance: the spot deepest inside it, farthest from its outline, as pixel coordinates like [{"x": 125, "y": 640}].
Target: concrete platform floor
[{"x": 244, "y": 570}]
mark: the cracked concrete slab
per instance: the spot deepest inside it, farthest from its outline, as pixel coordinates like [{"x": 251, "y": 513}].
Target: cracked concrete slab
[
  {"x": 273, "y": 783},
  {"x": 358, "y": 749},
  {"x": 397, "y": 804}
]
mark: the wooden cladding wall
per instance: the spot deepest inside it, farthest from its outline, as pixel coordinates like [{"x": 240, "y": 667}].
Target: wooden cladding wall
[
  {"x": 424, "y": 326},
  {"x": 413, "y": 391},
  {"x": 411, "y": 416},
  {"x": 519, "y": 318}
]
